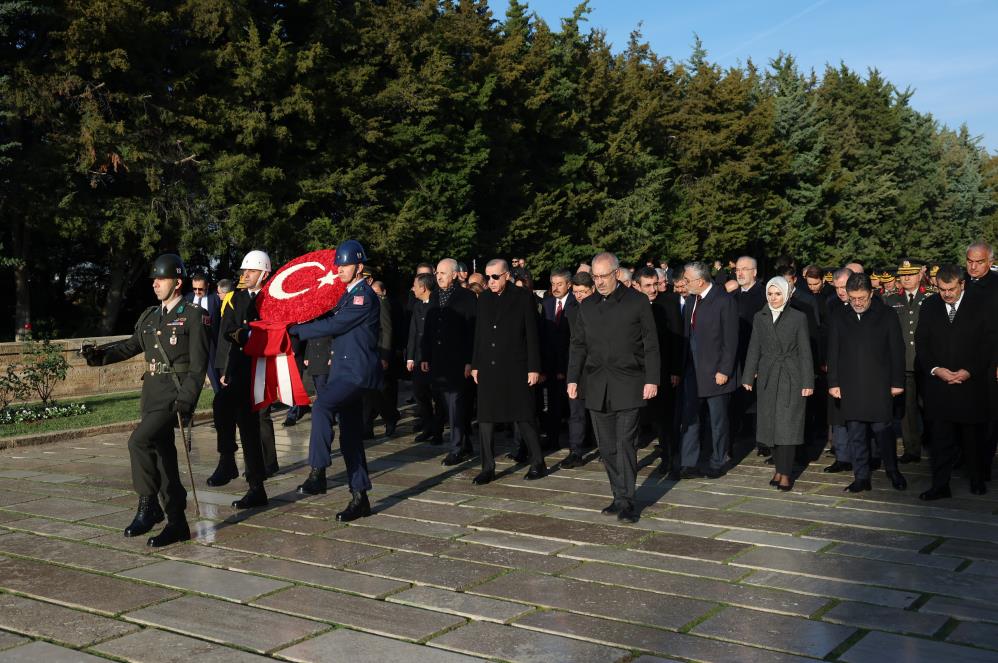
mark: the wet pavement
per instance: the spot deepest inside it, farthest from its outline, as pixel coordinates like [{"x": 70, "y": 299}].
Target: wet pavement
[{"x": 716, "y": 570}]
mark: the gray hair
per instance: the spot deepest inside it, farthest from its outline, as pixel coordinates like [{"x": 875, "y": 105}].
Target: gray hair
[
  {"x": 984, "y": 246},
  {"x": 662, "y": 274},
  {"x": 495, "y": 262},
  {"x": 562, "y": 273},
  {"x": 225, "y": 285},
  {"x": 701, "y": 269},
  {"x": 625, "y": 274},
  {"x": 755, "y": 263},
  {"x": 450, "y": 262},
  {"x": 606, "y": 256},
  {"x": 840, "y": 273}
]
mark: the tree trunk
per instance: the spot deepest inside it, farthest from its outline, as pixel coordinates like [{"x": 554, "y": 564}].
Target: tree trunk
[
  {"x": 112, "y": 303},
  {"x": 22, "y": 286}
]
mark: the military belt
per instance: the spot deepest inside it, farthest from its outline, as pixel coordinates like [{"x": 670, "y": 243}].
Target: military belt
[{"x": 155, "y": 368}]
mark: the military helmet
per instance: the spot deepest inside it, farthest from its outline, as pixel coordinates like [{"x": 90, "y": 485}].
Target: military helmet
[
  {"x": 168, "y": 266},
  {"x": 350, "y": 252},
  {"x": 256, "y": 260}
]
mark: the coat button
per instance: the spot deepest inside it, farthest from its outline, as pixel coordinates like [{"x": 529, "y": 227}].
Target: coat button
[
  {"x": 495, "y": 327},
  {"x": 156, "y": 345}
]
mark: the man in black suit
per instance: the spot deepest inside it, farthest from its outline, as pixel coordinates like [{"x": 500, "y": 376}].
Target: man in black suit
[
  {"x": 669, "y": 329},
  {"x": 709, "y": 372},
  {"x": 318, "y": 360},
  {"x": 837, "y": 304},
  {"x": 580, "y": 427},
  {"x": 955, "y": 342},
  {"x": 615, "y": 356},
  {"x": 210, "y": 302},
  {"x": 384, "y": 401},
  {"x": 750, "y": 298},
  {"x": 448, "y": 337},
  {"x": 429, "y": 409},
  {"x": 556, "y": 333},
  {"x": 506, "y": 365},
  {"x": 984, "y": 280},
  {"x": 865, "y": 373}
]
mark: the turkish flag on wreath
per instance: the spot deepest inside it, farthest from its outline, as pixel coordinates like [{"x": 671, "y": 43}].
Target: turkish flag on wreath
[{"x": 301, "y": 290}]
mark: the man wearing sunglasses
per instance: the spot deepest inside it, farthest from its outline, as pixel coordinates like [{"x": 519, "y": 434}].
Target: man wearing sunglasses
[{"x": 209, "y": 301}]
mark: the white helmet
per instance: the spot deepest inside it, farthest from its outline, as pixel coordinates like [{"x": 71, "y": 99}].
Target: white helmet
[{"x": 256, "y": 260}]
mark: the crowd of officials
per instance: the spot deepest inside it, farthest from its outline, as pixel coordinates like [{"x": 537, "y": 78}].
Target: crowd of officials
[{"x": 606, "y": 357}]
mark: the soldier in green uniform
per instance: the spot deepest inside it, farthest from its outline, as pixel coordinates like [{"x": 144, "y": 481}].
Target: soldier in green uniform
[
  {"x": 174, "y": 341},
  {"x": 907, "y": 303}
]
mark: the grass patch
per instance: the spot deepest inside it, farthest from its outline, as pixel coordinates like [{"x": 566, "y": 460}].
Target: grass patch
[{"x": 106, "y": 409}]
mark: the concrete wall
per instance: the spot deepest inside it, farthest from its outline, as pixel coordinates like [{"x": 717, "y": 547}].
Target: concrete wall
[{"x": 82, "y": 380}]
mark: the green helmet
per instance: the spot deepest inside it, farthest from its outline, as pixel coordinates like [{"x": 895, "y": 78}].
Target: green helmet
[{"x": 168, "y": 266}]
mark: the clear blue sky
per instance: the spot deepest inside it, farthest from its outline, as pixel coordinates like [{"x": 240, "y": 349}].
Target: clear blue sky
[{"x": 945, "y": 50}]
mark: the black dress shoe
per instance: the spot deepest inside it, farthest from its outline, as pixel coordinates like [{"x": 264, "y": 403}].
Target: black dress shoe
[
  {"x": 787, "y": 488},
  {"x": 665, "y": 467},
  {"x": 358, "y": 507},
  {"x": 935, "y": 494},
  {"x": 838, "y": 466},
  {"x": 455, "y": 458},
  {"x": 774, "y": 482},
  {"x": 146, "y": 516},
  {"x": 390, "y": 428},
  {"x": 572, "y": 460},
  {"x": 763, "y": 451},
  {"x": 519, "y": 456},
  {"x": 425, "y": 436},
  {"x": 256, "y": 496},
  {"x": 484, "y": 477},
  {"x": 611, "y": 510},
  {"x": 315, "y": 483},
  {"x": 858, "y": 485},
  {"x": 536, "y": 472},
  {"x": 272, "y": 470},
  {"x": 713, "y": 473},
  {"x": 174, "y": 532},
  {"x": 225, "y": 471},
  {"x": 628, "y": 515},
  {"x": 906, "y": 458},
  {"x": 898, "y": 481},
  {"x": 978, "y": 488},
  {"x": 690, "y": 473}
]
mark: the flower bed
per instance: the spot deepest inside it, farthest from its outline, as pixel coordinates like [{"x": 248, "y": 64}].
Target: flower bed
[{"x": 23, "y": 414}]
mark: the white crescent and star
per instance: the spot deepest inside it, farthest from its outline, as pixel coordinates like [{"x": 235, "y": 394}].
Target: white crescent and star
[{"x": 276, "y": 288}]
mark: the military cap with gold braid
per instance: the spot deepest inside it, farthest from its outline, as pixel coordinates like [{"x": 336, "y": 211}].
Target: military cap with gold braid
[
  {"x": 828, "y": 277},
  {"x": 887, "y": 277},
  {"x": 907, "y": 268}
]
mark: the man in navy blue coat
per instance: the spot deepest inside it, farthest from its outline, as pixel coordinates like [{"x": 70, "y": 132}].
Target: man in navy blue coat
[{"x": 354, "y": 325}]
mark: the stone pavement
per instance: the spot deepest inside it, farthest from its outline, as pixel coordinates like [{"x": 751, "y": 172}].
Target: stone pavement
[{"x": 722, "y": 570}]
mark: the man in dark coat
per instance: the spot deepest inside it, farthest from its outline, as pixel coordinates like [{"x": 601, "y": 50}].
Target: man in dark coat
[
  {"x": 429, "y": 409},
  {"x": 837, "y": 304},
  {"x": 209, "y": 301},
  {"x": 750, "y": 298},
  {"x": 448, "y": 338},
  {"x": 318, "y": 360},
  {"x": 384, "y": 401},
  {"x": 506, "y": 365},
  {"x": 955, "y": 343},
  {"x": 709, "y": 369},
  {"x": 556, "y": 333},
  {"x": 615, "y": 357},
  {"x": 984, "y": 280},
  {"x": 865, "y": 373}
]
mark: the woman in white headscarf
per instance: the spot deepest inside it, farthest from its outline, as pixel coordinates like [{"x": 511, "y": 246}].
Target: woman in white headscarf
[{"x": 779, "y": 367}]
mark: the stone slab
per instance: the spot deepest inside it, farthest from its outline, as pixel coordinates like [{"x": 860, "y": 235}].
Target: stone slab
[
  {"x": 508, "y": 558},
  {"x": 509, "y": 506},
  {"x": 206, "y": 580},
  {"x": 979, "y": 635},
  {"x": 77, "y": 589},
  {"x": 301, "y": 548},
  {"x": 875, "y": 646},
  {"x": 9, "y": 640},
  {"x": 54, "y": 528},
  {"x": 881, "y": 618},
  {"x": 378, "y": 617},
  {"x": 869, "y": 537},
  {"x": 790, "y": 634},
  {"x": 69, "y": 553},
  {"x": 427, "y": 570},
  {"x": 645, "y": 638},
  {"x": 65, "y": 509},
  {"x": 596, "y": 600},
  {"x": 154, "y": 646},
  {"x": 343, "y": 581},
  {"x": 677, "y": 545},
  {"x": 227, "y": 623},
  {"x": 516, "y": 542},
  {"x": 756, "y": 598},
  {"x": 967, "y": 548},
  {"x": 934, "y": 561},
  {"x": 647, "y": 560},
  {"x": 52, "y": 622},
  {"x": 36, "y": 652},
  {"x": 461, "y": 604},
  {"x": 346, "y": 645},
  {"x": 961, "y": 609},
  {"x": 984, "y": 567},
  {"x": 410, "y": 526},
  {"x": 560, "y": 529},
  {"x": 757, "y": 538},
  {"x": 891, "y": 598},
  {"x": 737, "y": 520},
  {"x": 435, "y": 513},
  {"x": 520, "y": 646},
  {"x": 370, "y": 536}
]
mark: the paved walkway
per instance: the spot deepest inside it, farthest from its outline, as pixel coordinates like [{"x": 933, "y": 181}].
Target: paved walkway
[{"x": 723, "y": 570}]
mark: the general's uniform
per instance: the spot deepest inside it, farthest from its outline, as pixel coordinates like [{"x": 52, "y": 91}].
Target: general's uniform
[
  {"x": 355, "y": 326},
  {"x": 180, "y": 335},
  {"x": 907, "y": 306}
]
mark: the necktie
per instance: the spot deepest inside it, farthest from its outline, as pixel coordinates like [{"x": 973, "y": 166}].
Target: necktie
[
  {"x": 911, "y": 298},
  {"x": 952, "y": 312},
  {"x": 557, "y": 312},
  {"x": 693, "y": 314}
]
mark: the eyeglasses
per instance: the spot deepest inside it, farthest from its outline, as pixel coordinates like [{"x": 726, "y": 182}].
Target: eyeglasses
[
  {"x": 198, "y": 289},
  {"x": 496, "y": 277},
  {"x": 860, "y": 300},
  {"x": 603, "y": 277}
]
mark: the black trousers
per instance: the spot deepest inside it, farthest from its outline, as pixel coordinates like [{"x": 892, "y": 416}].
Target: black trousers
[
  {"x": 383, "y": 402},
  {"x": 153, "y": 456},
  {"x": 232, "y": 410},
  {"x": 487, "y": 434},
  {"x": 557, "y": 407},
  {"x": 617, "y": 437},
  {"x": 859, "y": 448},
  {"x": 784, "y": 458},
  {"x": 429, "y": 407},
  {"x": 456, "y": 403},
  {"x": 579, "y": 428},
  {"x": 947, "y": 439}
]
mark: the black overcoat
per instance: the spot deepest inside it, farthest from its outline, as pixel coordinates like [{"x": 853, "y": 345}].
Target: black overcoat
[
  {"x": 866, "y": 360},
  {"x": 614, "y": 350},
  {"x": 967, "y": 343},
  {"x": 448, "y": 337},
  {"x": 506, "y": 349}
]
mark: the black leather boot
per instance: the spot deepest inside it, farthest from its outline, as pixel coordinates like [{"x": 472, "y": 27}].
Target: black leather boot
[
  {"x": 256, "y": 496},
  {"x": 225, "y": 471},
  {"x": 315, "y": 483},
  {"x": 176, "y": 530},
  {"x": 359, "y": 507},
  {"x": 146, "y": 517}
]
